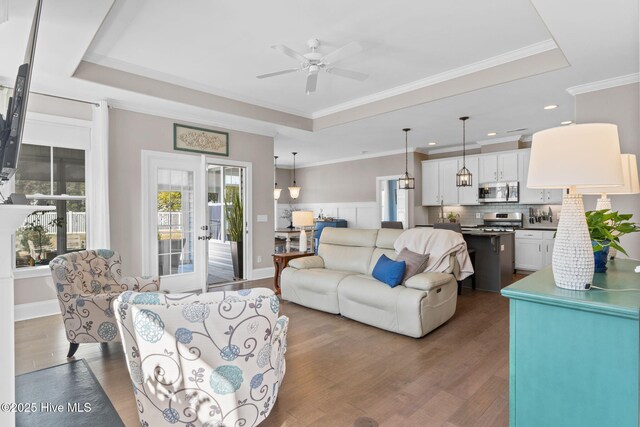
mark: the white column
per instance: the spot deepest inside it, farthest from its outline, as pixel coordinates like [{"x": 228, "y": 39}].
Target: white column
[{"x": 11, "y": 217}]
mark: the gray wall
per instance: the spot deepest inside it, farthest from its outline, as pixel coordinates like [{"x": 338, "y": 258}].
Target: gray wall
[
  {"x": 354, "y": 181},
  {"x": 129, "y": 133},
  {"x": 621, "y": 106}
]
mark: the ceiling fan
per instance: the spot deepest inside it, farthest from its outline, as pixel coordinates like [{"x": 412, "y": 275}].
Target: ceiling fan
[{"x": 314, "y": 61}]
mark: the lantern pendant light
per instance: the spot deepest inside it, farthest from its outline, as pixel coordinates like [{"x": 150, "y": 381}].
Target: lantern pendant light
[
  {"x": 406, "y": 182},
  {"x": 294, "y": 191},
  {"x": 276, "y": 190},
  {"x": 464, "y": 177}
]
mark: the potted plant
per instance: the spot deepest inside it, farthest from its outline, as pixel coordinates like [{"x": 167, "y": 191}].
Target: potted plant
[
  {"x": 35, "y": 231},
  {"x": 605, "y": 228},
  {"x": 235, "y": 228},
  {"x": 453, "y": 216}
]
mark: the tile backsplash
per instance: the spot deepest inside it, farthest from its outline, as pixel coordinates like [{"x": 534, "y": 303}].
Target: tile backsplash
[{"x": 468, "y": 213}]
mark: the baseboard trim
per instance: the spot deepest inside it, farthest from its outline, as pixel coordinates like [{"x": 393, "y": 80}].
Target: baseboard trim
[
  {"x": 33, "y": 310},
  {"x": 263, "y": 273}
]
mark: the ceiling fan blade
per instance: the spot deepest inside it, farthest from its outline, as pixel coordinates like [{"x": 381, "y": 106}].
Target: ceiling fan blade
[
  {"x": 277, "y": 73},
  {"x": 289, "y": 52},
  {"x": 348, "y": 74},
  {"x": 312, "y": 81},
  {"x": 342, "y": 53}
]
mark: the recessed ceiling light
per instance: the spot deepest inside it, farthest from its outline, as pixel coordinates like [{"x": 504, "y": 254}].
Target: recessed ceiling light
[
  {"x": 492, "y": 134},
  {"x": 433, "y": 143},
  {"x": 550, "y": 107},
  {"x": 566, "y": 122}
]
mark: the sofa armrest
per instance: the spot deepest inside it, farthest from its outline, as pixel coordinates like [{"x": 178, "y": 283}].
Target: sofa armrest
[
  {"x": 307, "y": 262},
  {"x": 139, "y": 284},
  {"x": 429, "y": 280}
]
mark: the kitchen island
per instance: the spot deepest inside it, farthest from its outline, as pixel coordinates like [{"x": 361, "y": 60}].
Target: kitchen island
[{"x": 494, "y": 257}]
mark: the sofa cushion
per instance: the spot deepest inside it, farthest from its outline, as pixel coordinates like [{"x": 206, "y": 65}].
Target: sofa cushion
[
  {"x": 347, "y": 249},
  {"x": 415, "y": 263},
  {"x": 387, "y": 237},
  {"x": 349, "y": 237},
  {"x": 314, "y": 287},
  {"x": 375, "y": 256},
  {"x": 389, "y": 271}
]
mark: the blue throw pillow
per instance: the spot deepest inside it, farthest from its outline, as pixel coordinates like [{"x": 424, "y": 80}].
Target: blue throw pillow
[{"x": 389, "y": 271}]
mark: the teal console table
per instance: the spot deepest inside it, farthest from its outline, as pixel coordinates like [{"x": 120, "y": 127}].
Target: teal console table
[{"x": 573, "y": 355}]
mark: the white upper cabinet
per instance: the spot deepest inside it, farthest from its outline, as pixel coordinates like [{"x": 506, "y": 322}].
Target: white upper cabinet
[
  {"x": 448, "y": 188},
  {"x": 439, "y": 182},
  {"x": 469, "y": 195},
  {"x": 534, "y": 196},
  {"x": 498, "y": 167},
  {"x": 430, "y": 183}
]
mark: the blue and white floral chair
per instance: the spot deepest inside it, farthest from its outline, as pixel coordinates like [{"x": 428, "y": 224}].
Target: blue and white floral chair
[
  {"x": 87, "y": 284},
  {"x": 212, "y": 359}
]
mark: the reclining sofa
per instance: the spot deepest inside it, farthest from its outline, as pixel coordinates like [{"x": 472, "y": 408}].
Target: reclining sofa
[{"x": 338, "y": 280}]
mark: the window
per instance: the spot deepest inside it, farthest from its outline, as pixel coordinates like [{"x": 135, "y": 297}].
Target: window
[{"x": 53, "y": 176}]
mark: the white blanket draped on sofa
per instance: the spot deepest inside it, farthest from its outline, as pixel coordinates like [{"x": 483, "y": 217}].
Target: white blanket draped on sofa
[{"x": 441, "y": 242}]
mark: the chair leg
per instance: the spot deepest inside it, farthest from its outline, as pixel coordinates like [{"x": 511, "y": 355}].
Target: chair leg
[
  {"x": 72, "y": 349},
  {"x": 460, "y": 288}
]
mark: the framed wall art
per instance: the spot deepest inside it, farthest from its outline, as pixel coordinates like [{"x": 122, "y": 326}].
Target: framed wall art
[{"x": 197, "y": 140}]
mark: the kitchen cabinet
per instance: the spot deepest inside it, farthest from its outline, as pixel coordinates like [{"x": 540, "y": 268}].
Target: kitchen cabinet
[
  {"x": 500, "y": 167},
  {"x": 469, "y": 195},
  {"x": 534, "y": 196},
  {"x": 439, "y": 182},
  {"x": 534, "y": 249}
]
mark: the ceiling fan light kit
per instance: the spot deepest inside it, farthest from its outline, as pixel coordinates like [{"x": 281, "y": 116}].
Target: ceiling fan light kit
[{"x": 314, "y": 62}]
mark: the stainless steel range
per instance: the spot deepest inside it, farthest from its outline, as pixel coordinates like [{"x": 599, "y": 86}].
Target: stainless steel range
[{"x": 510, "y": 221}]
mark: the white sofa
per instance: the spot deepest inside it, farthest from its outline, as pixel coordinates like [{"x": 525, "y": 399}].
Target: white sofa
[{"x": 339, "y": 281}]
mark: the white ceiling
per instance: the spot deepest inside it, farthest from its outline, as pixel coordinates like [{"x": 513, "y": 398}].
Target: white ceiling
[{"x": 219, "y": 47}]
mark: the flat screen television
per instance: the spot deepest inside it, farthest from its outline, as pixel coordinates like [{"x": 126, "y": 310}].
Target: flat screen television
[{"x": 12, "y": 125}]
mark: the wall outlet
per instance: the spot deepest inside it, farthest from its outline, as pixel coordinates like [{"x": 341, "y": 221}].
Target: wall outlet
[
  {"x": 259, "y": 258},
  {"x": 478, "y": 215},
  {"x": 262, "y": 218}
]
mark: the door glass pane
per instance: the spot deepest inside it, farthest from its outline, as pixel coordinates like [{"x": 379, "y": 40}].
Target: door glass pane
[{"x": 175, "y": 221}]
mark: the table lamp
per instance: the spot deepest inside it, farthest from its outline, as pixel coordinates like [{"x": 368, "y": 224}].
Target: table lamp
[
  {"x": 630, "y": 186},
  {"x": 302, "y": 219},
  {"x": 576, "y": 156}
]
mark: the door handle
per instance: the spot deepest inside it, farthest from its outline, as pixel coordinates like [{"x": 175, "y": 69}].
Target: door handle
[{"x": 539, "y": 248}]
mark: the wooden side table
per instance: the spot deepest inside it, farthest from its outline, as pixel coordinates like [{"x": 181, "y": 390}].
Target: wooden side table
[{"x": 280, "y": 261}]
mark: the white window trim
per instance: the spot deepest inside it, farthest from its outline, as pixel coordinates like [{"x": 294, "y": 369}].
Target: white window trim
[{"x": 65, "y": 139}]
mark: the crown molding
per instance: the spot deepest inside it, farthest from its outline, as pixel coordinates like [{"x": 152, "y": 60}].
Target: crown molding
[
  {"x": 494, "y": 61},
  {"x": 452, "y": 149},
  {"x": 231, "y": 124},
  {"x": 349, "y": 159},
  {"x": 501, "y": 140},
  {"x": 604, "y": 84},
  {"x": 187, "y": 83}
]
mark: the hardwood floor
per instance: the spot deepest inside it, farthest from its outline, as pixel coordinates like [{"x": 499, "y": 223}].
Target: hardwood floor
[{"x": 339, "y": 370}]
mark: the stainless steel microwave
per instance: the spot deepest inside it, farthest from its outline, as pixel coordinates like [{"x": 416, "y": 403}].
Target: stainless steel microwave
[{"x": 498, "y": 192}]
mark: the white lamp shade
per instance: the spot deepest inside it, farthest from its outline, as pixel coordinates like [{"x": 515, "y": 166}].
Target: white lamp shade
[
  {"x": 294, "y": 192},
  {"x": 630, "y": 175},
  {"x": 584, "y": 155},
  {"x": 276, "y": 193},
  {"x": 302, "y": 218}
]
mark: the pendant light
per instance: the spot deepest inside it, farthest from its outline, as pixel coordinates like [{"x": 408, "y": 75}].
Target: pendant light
[
  {"x": 464, "y": 177},
  {"x": 276, "y": 190},
  {"x": 406, "y": 182},
  {"x": 294, "y": 191}
]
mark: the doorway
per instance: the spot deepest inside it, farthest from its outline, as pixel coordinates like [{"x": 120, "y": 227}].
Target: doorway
[
  {"x": 225, "y": 184},
  {"x": 392, "y": 203},
  {"x": 186, "y": 234}
]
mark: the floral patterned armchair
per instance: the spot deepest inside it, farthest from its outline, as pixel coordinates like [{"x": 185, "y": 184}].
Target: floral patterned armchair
[
  {"x": 209, "y": 359},
  {"x": 87, "y": 283}
]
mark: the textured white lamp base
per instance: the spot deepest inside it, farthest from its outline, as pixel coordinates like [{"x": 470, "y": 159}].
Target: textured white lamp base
[
  {"x": 572, "y": 260},
  {"x": 605, "y": 203},
  {"x": 303, "y": 240}
]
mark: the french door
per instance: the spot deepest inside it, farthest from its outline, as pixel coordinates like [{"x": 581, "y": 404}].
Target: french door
[{"x": 185, "y": 230}]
